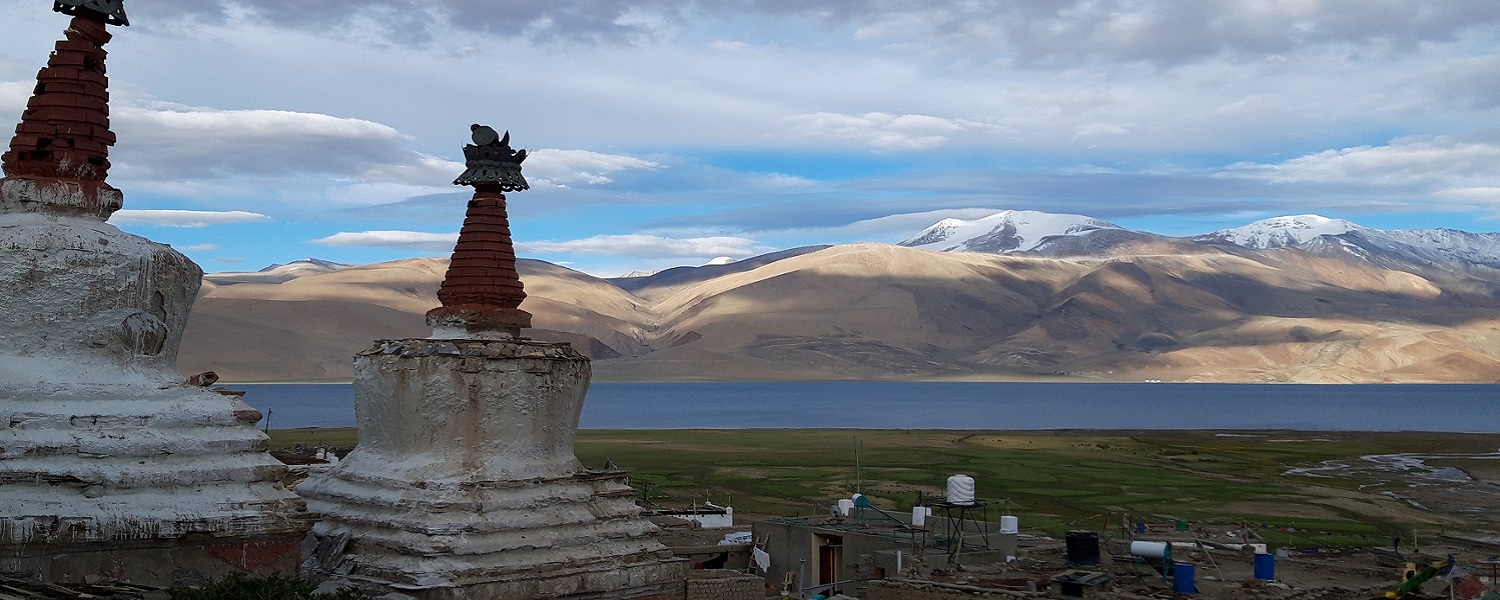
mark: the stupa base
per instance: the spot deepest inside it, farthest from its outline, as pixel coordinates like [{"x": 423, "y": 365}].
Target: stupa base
[
  {"x": 464, "y": 485},
  {"x": 575, "y": 537},
  {"x": 195, "y": 559}
]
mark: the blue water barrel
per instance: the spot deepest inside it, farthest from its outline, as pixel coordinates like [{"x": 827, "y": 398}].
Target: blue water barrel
[
  {"x": 1182, "y": 578},
  {"x": 1265, "y": 566}
]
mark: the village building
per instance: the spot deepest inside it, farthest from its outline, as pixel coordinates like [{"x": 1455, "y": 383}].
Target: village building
[{"x": 856, "y": 544}]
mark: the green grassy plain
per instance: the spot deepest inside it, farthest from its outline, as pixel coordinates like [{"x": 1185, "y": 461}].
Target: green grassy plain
[{"x": 1054, "y": 481}]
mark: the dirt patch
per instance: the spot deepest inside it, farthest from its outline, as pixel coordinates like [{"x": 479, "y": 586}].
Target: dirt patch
[{"x": 1288, "y": 508}]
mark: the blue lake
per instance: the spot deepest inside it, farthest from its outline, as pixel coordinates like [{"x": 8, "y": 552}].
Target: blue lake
[{"x": 1014, "y": 406}]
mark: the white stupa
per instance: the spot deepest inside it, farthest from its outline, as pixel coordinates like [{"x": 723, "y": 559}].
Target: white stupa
[{"x": 111, "y": 464}]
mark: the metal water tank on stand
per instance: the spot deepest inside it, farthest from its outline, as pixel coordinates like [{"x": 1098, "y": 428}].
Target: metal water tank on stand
[
  {"x": 959, "y": 507},
  {"x": 961, "y": 490}
]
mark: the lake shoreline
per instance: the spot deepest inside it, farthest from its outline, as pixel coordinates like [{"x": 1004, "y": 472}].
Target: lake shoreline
[{"x": 981, "y": 406}]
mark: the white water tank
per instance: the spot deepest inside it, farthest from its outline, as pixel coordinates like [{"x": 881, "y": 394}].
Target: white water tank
[
  {"x": 845, "y": 505},
  {"x": 961, "y": 490},
  {"x": 1010, "y": 524},
  {"x": 1151, "y": 549}
]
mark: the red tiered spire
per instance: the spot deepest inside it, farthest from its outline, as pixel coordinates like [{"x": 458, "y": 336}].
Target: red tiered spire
[
  {"x": 62, "y": 143},
  {"x": 482, "y": 290}
]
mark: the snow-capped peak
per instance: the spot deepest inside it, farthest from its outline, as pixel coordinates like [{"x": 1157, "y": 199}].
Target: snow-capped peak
[
  {"x": 722, "y": 260},
  {"x": 277, "y": 273},
  {"x": 1005, "y": 231},
  {"x": 1279, "y": 232},
  {"x": 306, "y": 264}
]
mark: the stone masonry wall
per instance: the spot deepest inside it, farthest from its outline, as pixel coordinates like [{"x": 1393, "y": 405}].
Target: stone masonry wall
[
  {"x": 897, "y": 589},
  {"x": 724, "y": 585}
]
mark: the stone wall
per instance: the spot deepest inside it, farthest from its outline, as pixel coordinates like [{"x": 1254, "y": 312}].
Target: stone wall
[
  {"x": 724, "y": 585},
  {"x": 899, "y": 589}
]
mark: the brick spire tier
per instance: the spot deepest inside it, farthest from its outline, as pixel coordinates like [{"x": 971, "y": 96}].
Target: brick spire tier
[
  {"x": 59, "y": 156},
  {"x": 482, "y": 292}
]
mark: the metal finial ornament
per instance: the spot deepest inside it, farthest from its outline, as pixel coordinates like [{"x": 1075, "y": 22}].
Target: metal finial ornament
[
  {"x": 490, "y": 160},
  {"x": 113, "y": 11}
]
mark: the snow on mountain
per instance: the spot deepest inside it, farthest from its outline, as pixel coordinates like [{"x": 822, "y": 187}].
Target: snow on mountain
[
  {"x": 1005, "y": 231},
  {"x": 1390, "y": 248},
  {"x": 1073, "y": 235},
  {"x": 306, "y": 264},
  {"x": 715, "y": 262},
  {"x": 1279, "y": 232},
  {"x": 277, "y": 273},
  {"x": 1479, "y": 248}
]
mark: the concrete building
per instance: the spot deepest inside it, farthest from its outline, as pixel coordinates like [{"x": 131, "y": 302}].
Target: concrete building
[{"x": 844, "y": 553}]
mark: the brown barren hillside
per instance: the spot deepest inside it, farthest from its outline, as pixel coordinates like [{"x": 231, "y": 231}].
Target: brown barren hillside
[{"x": 876, "y": 311}]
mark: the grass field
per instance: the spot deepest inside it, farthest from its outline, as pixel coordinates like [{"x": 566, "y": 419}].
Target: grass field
[{"x": 1053, "y": 480}]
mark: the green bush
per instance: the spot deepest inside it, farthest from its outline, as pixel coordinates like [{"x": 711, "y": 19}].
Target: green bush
[{"x": 239, "y": 586}]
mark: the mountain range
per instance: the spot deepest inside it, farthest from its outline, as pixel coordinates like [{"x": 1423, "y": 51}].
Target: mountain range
[{"x": 1014, "y": 295}]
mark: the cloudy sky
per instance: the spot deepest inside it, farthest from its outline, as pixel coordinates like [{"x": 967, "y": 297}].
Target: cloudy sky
[{"x": 670, "y": 132}]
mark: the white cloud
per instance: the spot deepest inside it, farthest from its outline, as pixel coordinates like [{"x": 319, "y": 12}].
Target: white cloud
[
  {"x": 1098, "y": 129},
  {"x": 780, "y": 181},
  {"x": 200, "y": 248},
  {"x": 1471, "y": 194},
  {"x": 1253, "y": 104},
  {"x": 563, "y": 167},
  {"x": 1414, "y": 161},
  {"x": 975, "y": 103},
  {"x": 897, "y": 227},
  {"x": 13, "y": 97},
  {"x": 1173, "y": 31},
  {"x": 171, "y": 141},
  {"x": 886, "y": 131},
  {"x": 416, "y": 169},
  {"x": 231, "y": 125},
  {"x": 376, "y": 194},
  {"x": 183, "y": 218},
  {"x": 1033, "y": 30},
  {"x": 649, "y": 246},
  {"x": 405, "y": 240},
  {"x": 728, "y": 47}
]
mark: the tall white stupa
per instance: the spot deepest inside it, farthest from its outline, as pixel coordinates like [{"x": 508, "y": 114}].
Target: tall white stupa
[{"x": 111, "y": 465}]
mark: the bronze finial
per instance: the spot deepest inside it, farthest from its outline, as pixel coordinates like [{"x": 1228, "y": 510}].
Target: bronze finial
[
  {"x": 490, "y": 160},
  {"x": 113, "y": 11}
]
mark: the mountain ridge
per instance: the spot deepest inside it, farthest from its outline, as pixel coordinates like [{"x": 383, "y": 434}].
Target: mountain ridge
[{"x": 1095, "y": 303}]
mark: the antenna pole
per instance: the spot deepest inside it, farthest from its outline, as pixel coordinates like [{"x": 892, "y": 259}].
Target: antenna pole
[{"x": 859, "y": 483}]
